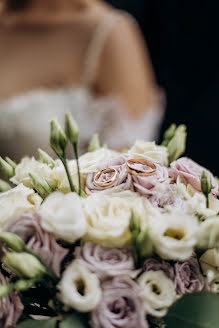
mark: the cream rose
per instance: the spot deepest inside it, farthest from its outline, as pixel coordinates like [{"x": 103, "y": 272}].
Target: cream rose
[
  {"x": 17, "y": 201},
  {"x": 79, "y": 288},
  {"x": 30, "y": 165},
  {"x": 157, "y": 291},
  {"x": 150, "y": 151},
  {"x": 108, "y": 217},
  {"x": 63, "y": 216},
  {"x": 208, "y": 233},
  {"x": 210, "y": 264},
  {"x": 174, "y": 235}
]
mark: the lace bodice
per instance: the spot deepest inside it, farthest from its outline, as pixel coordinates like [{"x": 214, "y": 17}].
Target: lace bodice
[{"x": 24, "y": 120}]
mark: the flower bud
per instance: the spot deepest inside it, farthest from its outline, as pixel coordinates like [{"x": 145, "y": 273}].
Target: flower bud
[
  {"x": 94, "y": 143},
  {"x": 4, "y": 186},
  {"x": 176, "y": 146},
  {"x": 169, "y": 134},
  {"x": 205, "y": 184},
  {"x": 22, "y": 285},
  {"x": 12, "y": 241},
  {"x": 6, "y": 168},
  {"x": 24, "y": 265},
  {"x": 5, "y": 290},
  {"x": 45, "y": 158},
  {"x": 71, "y": 128},
  {"x": 144, "y": 244},
  {"x": 11, "y": 162},
  {"x": 58, "y": 139},
  {"x": 41, "y": 185}
]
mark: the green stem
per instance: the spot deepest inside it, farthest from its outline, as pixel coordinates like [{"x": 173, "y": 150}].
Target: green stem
[
  {"x": 75, "y": 147},
  {"x": 207, "y": 201},
  {"x": 68, "y": 174}
]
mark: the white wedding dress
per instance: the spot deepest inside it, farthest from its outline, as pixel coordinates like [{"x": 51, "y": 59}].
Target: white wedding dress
[{"x": 24, "y": 119}]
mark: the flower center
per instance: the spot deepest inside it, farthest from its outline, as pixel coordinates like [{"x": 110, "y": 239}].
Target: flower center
[
  {"x": 80, "y": 287},
  {"x": 155, "y": 289},
  {"x": 175, "y": 234}
]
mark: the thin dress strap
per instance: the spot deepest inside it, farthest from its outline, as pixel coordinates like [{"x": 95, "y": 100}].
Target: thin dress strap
[{"x": 95, "y": 48}]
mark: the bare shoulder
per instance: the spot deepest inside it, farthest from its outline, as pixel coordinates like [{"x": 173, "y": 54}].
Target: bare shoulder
[{"x": 125, "y": 68}]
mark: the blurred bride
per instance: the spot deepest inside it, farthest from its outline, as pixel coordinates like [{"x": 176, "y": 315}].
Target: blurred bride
[{"x": 77, "y": 55}]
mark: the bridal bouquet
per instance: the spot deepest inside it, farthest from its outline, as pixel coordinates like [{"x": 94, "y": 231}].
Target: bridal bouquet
[{"x": 109, "y": 239}]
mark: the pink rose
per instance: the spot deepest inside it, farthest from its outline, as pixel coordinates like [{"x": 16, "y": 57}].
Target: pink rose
[
  {"x": 189, "y": 278},
  {"x": 145, "y": 184},
  {"x": 104, "y": 261},
  {"x": 11, "y": 307},
  {"x": 121, "y": 305},
  {"x": 191, "y": 172},
  {"x": 113, "y": 174}
]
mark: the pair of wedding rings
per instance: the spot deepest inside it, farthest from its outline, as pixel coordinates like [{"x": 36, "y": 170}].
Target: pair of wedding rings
[{"x": 131, "y": 168}]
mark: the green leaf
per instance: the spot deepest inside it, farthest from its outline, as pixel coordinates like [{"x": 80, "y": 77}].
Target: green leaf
[
  {"x": 75, "y": 320},
  {"x": 199, "y": 310},
  {"x": 51, "y": 323}
]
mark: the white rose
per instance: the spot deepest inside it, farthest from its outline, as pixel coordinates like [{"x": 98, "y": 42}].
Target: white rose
[
  {"x": 150, "y": 151},
  {"x": 208, "y": 233},
  {"x": 77, "y": 277},
  {"x": 108, "y": 217},
  {"x": 157, "y": 292},
  {"x": 17, "y": 201},
  {"x": 63, "y": 216},
  {"x": 210, "y": 264},
  {"x": 174, "y": 235},
  {"x": 92, "y": 161},
  {"x": 30, "y": 165},
  {"x": 213, "y": 203}
]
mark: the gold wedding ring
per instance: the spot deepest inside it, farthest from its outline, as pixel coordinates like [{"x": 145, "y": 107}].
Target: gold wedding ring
[
  {"x": 141, "y": 172},
  {"x": 110, "y": 181}
]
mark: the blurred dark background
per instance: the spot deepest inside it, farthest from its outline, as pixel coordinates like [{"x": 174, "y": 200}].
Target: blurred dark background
[{"x": 182, "y": 37}]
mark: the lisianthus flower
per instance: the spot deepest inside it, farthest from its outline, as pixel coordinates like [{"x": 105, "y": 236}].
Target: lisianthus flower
[
  {"x": 27, "y": 166},
  {"x": 192, "y": 173},
  {"x": 150, "y": 151},
  {"x": 113, "y": 174},
  {"x": 174, "y": 235},
  {"x": 17, "y": 201},
  {"x": 29, "y": 228},
  {"x": 157, "y": 292},
  {"x": 63, "y": 216},
  {"x": 167, "y": 195},
  {"x": 189, "y": 278},
  {"x": 11, "y": 307},
  {"x": 79, "y": 288},
  {"x": 208, "y": 233},
  {"x": 209, "y": 262},
  {"x": 120, "y": 305},
  {"x": 105, "y": 262},
  {"x": 159, "y": 265}
]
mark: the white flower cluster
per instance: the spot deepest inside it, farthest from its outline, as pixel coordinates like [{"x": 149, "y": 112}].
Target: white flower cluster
[{"x": 166, "y": 202}]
